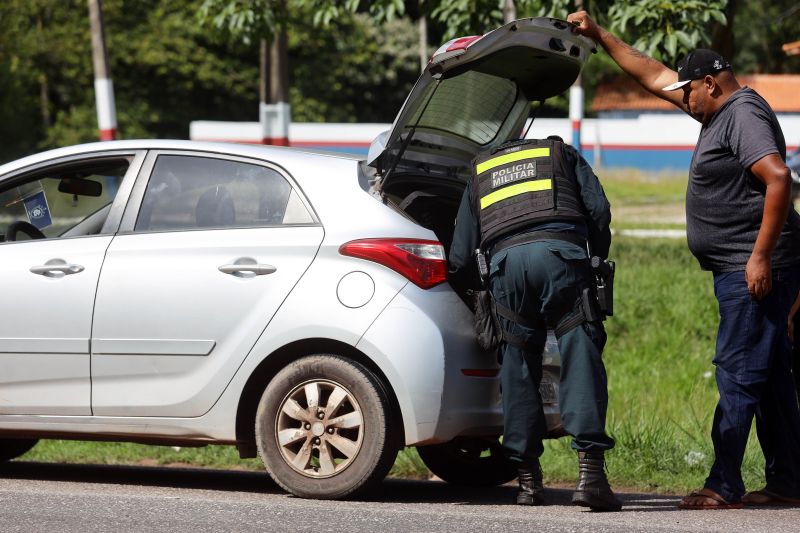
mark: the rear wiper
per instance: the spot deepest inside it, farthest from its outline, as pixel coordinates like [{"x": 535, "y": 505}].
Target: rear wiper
[{"x": 407, "y": 141}]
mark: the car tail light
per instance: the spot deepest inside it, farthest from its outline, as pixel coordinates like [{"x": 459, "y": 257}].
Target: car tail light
[
  {"x": 453, "y": 48},
  {"x": 421, "y": 262},
  {"x": 462, "y": 43}
]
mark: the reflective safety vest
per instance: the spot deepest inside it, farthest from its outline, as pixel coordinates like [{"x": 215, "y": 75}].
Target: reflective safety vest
[{"x": 522, "y": 185}]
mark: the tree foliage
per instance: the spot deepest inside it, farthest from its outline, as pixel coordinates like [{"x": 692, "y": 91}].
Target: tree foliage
[
  {"x": 168, "y": 70},
  {"x": 756, "y": 33},
  {"x": 474, "y": 17},
  {"x": 355, "y": 70},
  {"x": 251, "y": 20},
  {"x": 664, "y": 29},
  {"x": 351, "y": 60}
]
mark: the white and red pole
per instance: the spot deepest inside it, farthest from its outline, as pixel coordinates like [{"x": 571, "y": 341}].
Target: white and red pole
[
  {"x": 103, "y": 86},
  {"x": 576, "y": 101},
  {"x": 274, "y": 110},
  {"x": 576, "y": 112}
]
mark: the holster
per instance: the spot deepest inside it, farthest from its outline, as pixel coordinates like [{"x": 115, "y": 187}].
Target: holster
[
  {"x": 594, "y": 304},
  {"x": 604, "y": 279}
]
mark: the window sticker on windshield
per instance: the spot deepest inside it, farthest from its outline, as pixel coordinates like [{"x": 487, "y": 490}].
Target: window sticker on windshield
[{"x": 37, "y": 209}]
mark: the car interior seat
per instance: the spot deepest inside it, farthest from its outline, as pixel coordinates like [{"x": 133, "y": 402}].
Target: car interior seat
[{"x": 215, "y": 208}]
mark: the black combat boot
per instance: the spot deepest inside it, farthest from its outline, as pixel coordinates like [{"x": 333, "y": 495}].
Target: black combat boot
[
  {"x": 531, "y": 487},
  {"x": 593, "y": 490}
]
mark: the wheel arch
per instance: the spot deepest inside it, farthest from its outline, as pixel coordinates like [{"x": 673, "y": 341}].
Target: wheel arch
[{"x": 274, "y": 362}]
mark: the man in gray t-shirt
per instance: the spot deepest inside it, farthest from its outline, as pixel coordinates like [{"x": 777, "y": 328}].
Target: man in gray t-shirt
[
  {"x": 740, "y": 225},
  {"x": 724, "y": 199}
]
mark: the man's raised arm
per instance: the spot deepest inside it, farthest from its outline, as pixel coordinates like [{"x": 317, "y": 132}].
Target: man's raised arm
[{"x": 651, "y": 74}]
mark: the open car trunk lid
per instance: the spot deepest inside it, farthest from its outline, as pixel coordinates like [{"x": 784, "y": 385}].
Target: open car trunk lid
[{"x": 474, "y": 94}]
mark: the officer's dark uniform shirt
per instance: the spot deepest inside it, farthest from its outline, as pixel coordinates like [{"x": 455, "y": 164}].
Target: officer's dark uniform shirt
[{"x": 466, "y": 238}]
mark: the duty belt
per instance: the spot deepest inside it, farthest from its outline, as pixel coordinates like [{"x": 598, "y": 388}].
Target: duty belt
[{"x": 533, "y": 236}]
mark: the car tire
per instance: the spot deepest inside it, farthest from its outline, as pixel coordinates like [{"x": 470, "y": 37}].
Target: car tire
[
  {"x": 324, "y": 428},
  {"x": 470, "y": 461},
  {"x": 13, "y": 448}
]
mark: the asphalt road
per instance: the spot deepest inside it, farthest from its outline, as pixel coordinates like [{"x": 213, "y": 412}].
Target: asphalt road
[{"x": 80, "y": 498}]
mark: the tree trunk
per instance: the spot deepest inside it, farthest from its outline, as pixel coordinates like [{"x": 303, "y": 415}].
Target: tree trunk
[
  {"x": 44, "y": 85},
  {"x": 264, "y": 83},
  {"x": 423, "y": 42},
  {"x": 279, "y": 68},
  {"x": 722, "y": 39},
  {"x": 509, "y": 11},
  {"x": 44, "y": 99}
]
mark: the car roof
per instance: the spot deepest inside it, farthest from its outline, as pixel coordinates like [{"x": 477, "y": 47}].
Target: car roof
[{"x": 256, "y": 151}]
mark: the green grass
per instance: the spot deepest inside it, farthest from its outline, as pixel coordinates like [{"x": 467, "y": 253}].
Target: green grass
[
  {"x": 661, "y": 386},
  {"x": 633, "y": 188},
  {"x": 117, "y": 453}
]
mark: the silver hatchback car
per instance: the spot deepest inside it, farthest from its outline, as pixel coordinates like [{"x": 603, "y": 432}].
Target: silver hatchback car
[{"x": 291, "y": 303}]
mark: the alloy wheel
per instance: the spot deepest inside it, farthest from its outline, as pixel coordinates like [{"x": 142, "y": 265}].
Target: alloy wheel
[{"x": 319, "y": 428}]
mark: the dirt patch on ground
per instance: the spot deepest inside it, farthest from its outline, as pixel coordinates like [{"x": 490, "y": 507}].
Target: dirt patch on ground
[{"x": 178, "y": 464}]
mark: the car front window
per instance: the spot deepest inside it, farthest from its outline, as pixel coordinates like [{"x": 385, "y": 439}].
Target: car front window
[{"x": 59, "y": 200}]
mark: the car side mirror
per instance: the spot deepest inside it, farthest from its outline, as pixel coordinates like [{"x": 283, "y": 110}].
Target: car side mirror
[{"x": 80, "y": 187}]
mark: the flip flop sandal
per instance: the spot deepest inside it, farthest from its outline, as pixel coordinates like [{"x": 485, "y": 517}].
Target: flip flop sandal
[
  {"x": 768, "y": 498},
  {"x": 718, "y": 501}
]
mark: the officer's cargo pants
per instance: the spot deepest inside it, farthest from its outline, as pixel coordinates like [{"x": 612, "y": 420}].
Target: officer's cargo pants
[{"x": 543, "y": 280}]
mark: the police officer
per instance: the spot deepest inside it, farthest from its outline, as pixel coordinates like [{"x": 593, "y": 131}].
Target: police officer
[{"x": 532, "y": 206}]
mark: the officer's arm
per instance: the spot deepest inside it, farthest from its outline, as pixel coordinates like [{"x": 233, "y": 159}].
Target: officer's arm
[
  {"x": 463, "y": 273},
  {"x": 466, "y": 236},
  {"x": 596, "y": 204}
]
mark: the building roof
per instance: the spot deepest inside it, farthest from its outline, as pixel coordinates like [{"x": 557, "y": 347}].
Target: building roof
[
  {"x": 623, "y": 94},
  {"x": 792, "y": 49}
]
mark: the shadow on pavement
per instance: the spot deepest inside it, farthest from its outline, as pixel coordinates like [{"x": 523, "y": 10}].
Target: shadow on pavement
[
  {"x": 414, "y": 491},
  {"x": 390, "y": 491},
  {"x": 176, "y": 477}
]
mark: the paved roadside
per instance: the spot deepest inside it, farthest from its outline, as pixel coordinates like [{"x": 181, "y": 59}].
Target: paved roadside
[{"x": 67, "y": 498}]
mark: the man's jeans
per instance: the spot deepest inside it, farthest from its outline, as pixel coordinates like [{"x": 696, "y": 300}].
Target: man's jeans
[{"x": 754, "y": 377}]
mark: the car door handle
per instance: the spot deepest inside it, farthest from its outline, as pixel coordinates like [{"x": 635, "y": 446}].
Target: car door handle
[
  {"x": 56, "y": 268},
  {"x": 247, "y": 267}
]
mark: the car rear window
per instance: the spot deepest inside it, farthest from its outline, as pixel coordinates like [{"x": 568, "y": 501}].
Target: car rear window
[
  {"x": 189, "y": 192},
  {"x": 473, "y": 105}
]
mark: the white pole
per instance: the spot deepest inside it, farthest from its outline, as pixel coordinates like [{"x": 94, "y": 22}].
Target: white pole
[
  {"x": 576, "y": 112},
  {"x": 576, "y": 101},
  {"x": 275, "y": 113}
]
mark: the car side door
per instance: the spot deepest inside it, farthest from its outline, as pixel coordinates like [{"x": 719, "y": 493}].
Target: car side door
[
  {"x": 209, "y": 248},
  {"x": 58, "y": 219}
]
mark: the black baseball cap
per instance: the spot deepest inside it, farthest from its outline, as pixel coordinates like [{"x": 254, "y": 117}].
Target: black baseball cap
[{"x": 696, "y": 65}]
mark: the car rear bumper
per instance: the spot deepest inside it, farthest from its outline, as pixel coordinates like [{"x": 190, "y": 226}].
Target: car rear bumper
[
  {"x": 421, "y": 341},
  {"x": 445, "y": 384}
]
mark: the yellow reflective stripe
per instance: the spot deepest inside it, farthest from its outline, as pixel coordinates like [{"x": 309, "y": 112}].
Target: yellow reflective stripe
[
  {"x": 510, "y": 158},
  {"x": 513, "y": 190}
]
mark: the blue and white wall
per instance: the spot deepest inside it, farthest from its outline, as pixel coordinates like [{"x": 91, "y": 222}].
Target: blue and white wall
[{"x": 655, "y": 141}]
